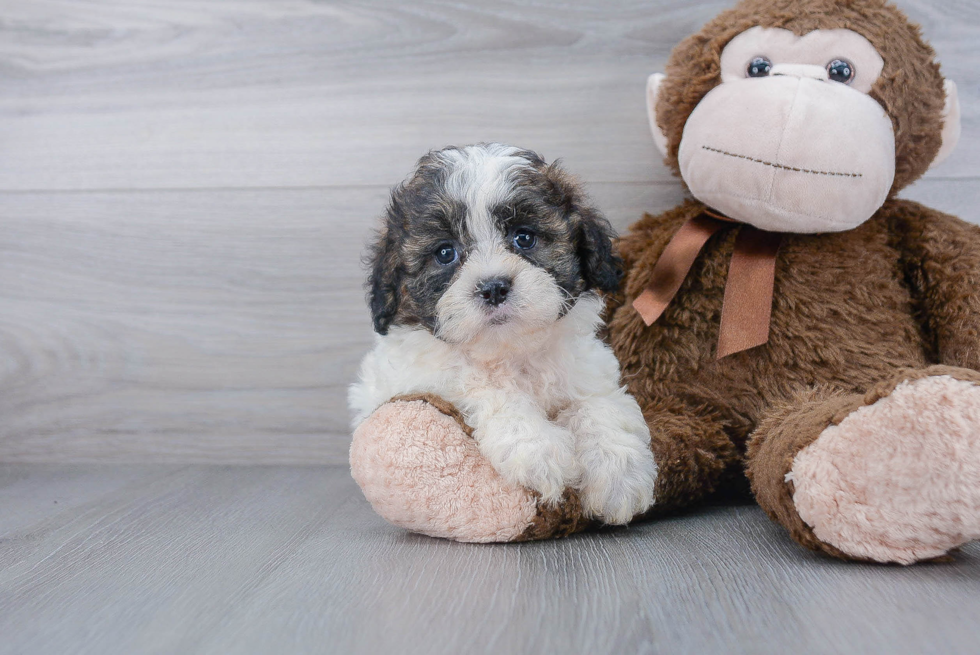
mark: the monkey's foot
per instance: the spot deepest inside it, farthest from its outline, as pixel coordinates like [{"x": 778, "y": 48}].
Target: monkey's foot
[
  {"x": 898, "y": 479},
  {"x": 420, "y": 469}
]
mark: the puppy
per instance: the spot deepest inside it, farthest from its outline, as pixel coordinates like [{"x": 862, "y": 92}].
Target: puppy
[{"x": 484, "y": 291}]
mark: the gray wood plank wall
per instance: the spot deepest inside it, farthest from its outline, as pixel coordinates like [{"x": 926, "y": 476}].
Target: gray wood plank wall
[{"x": 186, "y": 188}]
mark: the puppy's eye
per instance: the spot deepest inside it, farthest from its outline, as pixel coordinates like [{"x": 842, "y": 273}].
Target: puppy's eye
[
  {"x": 525, "y": 238},
  {"x": 446, "y": 254}
]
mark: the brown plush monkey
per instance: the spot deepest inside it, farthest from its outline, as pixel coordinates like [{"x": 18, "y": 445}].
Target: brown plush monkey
[
  {"x": 857, "y": 419},
  {"x": 796, "y": 323}
]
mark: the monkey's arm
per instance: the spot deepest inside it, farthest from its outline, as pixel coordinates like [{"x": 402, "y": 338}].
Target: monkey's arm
[{"x": 941, "y": 262}]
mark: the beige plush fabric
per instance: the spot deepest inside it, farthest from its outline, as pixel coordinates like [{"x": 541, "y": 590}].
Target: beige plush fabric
[
  {"x": 778, "y": 154},
  {"x": 784, "y": 46},
  {"x": 897, "y": 480},
  {"x": 422, "y": 472}
]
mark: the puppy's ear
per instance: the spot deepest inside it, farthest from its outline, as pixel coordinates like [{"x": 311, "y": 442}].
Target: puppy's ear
[
  {"x": 601, "y": 266},
  {"x": 384, "y": 258}
]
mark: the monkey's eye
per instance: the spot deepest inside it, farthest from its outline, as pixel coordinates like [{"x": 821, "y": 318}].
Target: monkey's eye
[
  {"x": 840, "y": 70},
  {"x": 525, "y": 238},
  {"x": 446, "y": 253},
  {"x": 758, "y": 67}
]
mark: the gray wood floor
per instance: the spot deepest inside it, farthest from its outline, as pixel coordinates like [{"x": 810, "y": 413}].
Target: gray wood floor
[
  {"x": 186, "y": 187},
  {"x": 235, "y": 559}
]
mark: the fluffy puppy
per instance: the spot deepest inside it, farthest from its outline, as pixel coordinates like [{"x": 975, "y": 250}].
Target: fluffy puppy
[{"x": 484, "y": 291}]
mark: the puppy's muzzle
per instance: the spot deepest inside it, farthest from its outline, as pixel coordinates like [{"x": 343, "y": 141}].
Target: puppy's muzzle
[{"x": 494, "y": 290}]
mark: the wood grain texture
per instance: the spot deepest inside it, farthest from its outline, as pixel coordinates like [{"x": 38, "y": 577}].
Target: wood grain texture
[
  {"x": 188, "y": 326},
  {"x": 207, "y": 326},
  {"x": 186, "y": 94},
  {"x": 187, "y": 188},
  {"x": 292, "y": 560}
]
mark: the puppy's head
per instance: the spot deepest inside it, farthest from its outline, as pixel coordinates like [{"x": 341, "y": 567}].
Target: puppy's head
[{"x": 487, "y": 241}]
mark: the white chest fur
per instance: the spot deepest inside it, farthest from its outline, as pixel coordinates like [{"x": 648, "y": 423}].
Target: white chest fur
[
  {"x": 552, "y": 365},
  {"x": 546, "y": 407}
]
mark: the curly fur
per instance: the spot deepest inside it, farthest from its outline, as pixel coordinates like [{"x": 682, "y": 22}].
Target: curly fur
[{"x": 539, "y": 389}]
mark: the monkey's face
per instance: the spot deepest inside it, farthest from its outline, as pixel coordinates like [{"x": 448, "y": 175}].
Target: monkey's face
[
  {"x": 790, "y": 140},
  {"x": 803, "y": 115}
]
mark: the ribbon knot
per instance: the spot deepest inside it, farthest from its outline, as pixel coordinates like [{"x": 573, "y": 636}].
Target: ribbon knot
[{"x": 747, "y": 307}]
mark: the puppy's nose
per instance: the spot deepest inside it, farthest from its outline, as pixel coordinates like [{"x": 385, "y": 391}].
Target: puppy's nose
[{"x": 494, "y": 291}]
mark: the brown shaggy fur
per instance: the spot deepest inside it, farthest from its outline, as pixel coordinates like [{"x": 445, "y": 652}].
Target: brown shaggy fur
[
  {"x": 555, "y": 521},
  {"x": 910, "y": 87},
  {"x": 851, "y": 310},
  {"x": 854, "y": 313}
]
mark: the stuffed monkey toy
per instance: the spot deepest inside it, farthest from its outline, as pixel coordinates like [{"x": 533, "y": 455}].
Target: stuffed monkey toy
[{"x": 795, "y": 325}]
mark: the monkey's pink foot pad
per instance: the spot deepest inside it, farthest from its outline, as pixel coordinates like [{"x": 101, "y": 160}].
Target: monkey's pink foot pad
[
  {"x": 421, "y": 471},
  {"x": 897, "y": 480}
]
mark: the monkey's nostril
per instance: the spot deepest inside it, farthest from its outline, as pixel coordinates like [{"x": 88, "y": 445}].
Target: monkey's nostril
[
  {"x": 800, "y": 71},
  {"x": 494, "y": 291}
]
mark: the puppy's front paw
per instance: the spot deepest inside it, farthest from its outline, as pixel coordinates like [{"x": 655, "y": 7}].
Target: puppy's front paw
[
  {"x": 617, "y": 480},
  {"x": 541, "y": 458}
]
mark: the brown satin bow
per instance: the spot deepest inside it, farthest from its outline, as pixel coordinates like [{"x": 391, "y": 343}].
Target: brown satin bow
[{"x": 747, "y": 307}]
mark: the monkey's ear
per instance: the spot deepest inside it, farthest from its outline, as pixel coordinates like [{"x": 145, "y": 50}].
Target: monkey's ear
[
  {"x": 384, "y": 284},
  {"x": 601, "y": 266},
  {"x": 951, "y": 123},
  {"x": 653, "y": 92}
]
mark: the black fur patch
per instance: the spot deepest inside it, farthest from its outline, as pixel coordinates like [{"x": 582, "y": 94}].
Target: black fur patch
[{"x": 581, "y": 256}]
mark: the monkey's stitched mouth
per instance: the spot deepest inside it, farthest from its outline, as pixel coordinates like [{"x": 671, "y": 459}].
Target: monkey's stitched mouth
[{"x": 780, "y": 166}]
